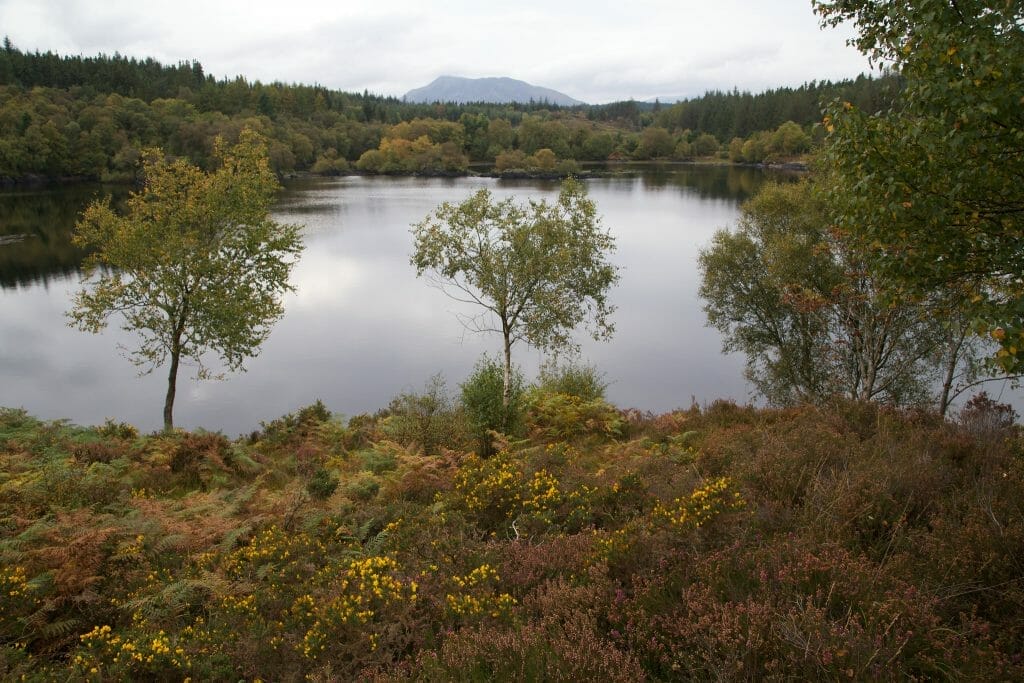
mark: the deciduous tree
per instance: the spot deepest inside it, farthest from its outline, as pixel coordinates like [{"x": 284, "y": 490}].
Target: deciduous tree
[
  {"x": 813, "y": 317},
  {"x": 934, "y": 186},
  {"x": 194, "y": 265},
  {"x": 537, "y": 270}
]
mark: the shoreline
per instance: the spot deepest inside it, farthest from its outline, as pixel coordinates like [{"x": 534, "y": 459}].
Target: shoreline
[{"x": 610, "y": 169}]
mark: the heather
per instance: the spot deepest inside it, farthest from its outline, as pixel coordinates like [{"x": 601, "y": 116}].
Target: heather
[{"x": 849, "y": 541}]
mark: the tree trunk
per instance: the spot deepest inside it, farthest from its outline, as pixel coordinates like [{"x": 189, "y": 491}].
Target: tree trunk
[
  {"x": 172, "y": 381},
  {"x": 172, "y": 375},
  {"x": 506, "y": 390},
  {"x": 956, "y": 345}
]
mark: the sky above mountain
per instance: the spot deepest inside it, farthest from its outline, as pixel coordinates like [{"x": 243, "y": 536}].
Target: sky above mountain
[{"x": 593, "y": 51}]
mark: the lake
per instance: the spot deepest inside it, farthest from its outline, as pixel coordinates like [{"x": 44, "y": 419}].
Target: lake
[{"x": 361, "y": 327}]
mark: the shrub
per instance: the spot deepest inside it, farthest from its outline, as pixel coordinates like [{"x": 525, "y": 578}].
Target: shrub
[
  {"x": 296, "y": 427},
  {"x": 482, "y": 401},
  {"x": 567, "y": 167},
  {"x": 583, "y": 381},
  {"x": 510, "y": 160},
  {"x": 706, "y": 144},
  {"x": 360, "y": 432},
  {"x": 377, "y": 460},
  {"x": 193, "y": 449},
  {"x": 329, "y": 163},
  {"x": 117, "y": 430},
  {"x": 561, "y": 636},
  {"x": 561, "y": 416},
  {"x": 422, "y": 480},
  {"x": 985, "y": 418},
  {"x": 426, "y": 420},
  {"x": 97, "y": 451},
  {"x": 322, "y": 484},
  {"x": 866, "y": 543},
  {"x": 363, "y": 487}
]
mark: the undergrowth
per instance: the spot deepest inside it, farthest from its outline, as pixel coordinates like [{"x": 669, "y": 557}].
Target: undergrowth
[{"x": 850, "y": 542}]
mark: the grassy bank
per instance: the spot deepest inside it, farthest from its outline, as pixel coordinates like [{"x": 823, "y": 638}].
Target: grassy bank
[{"x": 849, "y": 542}]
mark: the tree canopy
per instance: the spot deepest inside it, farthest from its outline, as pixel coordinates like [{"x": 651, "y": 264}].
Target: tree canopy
[
  {"x": 194, "y": 264},
  {"x": 815, "y": 319},
  {"x": 537, "y": 270},
  {"x": 934, "y": 186}
]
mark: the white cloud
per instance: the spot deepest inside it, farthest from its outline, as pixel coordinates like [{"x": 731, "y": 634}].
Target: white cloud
[{"x": 593, "y": 51}]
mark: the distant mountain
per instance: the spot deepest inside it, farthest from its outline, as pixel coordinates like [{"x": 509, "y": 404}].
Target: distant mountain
[{"x": 500, "y": 90}]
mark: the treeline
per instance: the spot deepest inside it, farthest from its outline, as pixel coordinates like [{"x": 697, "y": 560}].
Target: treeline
[
  {"x": 149, "y": 80},
  {"x": 90, "y": 117},
  {"x": 728, "y": 115}
]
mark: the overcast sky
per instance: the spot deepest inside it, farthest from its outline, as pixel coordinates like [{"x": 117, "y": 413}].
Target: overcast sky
[{"x": 594, "y": 51}]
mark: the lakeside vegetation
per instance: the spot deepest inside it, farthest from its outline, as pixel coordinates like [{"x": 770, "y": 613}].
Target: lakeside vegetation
[
  {"x": 67, "y": 117},
  {"x": 848, "y": 541},
  {"x": 856, "y": 530}
]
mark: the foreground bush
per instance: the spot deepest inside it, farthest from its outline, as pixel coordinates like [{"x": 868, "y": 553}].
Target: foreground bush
[{"x": 853, "y": 543}]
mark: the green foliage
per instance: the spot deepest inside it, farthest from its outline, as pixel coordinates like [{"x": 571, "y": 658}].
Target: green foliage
[
  {"x": 194, "y": 265},
  {"x": 574, "y": 379},
  {"x": 418, "y": 146},
  {"x": 428, "y": 420},
  {"x": 568, "y": 401},
  {"x": 655, "y": 142},
  {"x": 785, "y": 142},
  {"x": 705, "y": 145},
  {"x": 117, "y": 430},
  {"x": 805, "y": 543},
  {"x": 483, "y": 399},
  {"x": 329, "y": 163},
  {"x": 559, "y": 415},
  {"x": 92, "y": 117},
  {"x": 543, "y": 163},
  {"x": 538, "y": 271},
  {"x": 322, "y": 484},
  {"x": 377, "y": 461},
  {"x": 362, "y": 487},
  {"x": 812, "y": 316},
  {"x": 296, "y": 428},
  {"x": 931, "y": 187},
  {"x": 728, "y": 115}
]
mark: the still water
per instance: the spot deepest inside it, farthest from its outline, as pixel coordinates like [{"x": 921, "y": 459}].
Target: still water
[{"x": 361, "y": 327}]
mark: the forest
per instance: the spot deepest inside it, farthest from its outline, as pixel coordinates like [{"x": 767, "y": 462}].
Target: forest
[{"x": 64, "y": 117}]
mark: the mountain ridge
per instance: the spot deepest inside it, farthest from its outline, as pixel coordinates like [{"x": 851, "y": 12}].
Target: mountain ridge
[{"x": 499, "y": 90}]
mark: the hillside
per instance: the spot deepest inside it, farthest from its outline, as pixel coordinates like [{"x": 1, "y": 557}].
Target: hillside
[
  {"x": 850, "y": 542},
  {"x": 73, "y": 117},
  {"x": 496, "y": 90}
]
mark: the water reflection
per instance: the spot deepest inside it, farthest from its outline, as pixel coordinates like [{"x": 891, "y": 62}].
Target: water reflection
[
  {"x": 361, "y": 328},
  {"x": 707, "y": 181},
  {"x": 35, "y": 233}
]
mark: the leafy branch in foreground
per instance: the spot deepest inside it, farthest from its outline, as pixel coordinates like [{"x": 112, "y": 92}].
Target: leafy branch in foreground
[{"x": 933, "y": 185}]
